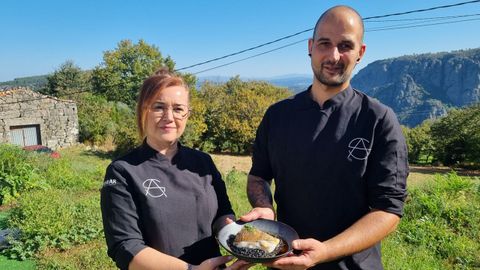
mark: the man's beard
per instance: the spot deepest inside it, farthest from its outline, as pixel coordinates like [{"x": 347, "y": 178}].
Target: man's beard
[{"x": 336, "y": 80}]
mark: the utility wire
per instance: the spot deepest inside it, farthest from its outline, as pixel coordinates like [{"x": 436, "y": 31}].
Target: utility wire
[
  {"x": 296, "y": 42},
  {"x": 420, "y": 10},
  {"x": 310, "y": 29},
  {"x": 246, "y": 50},
  {"x": 255, "y": 55},
  {"x": 425, "y": 18},
  {"x": 415, "y": 26}
]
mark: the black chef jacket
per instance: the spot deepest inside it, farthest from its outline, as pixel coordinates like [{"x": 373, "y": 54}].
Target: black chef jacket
[{"x": 147, "y": 200}]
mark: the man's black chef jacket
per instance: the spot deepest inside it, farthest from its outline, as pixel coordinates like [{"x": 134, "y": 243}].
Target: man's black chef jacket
[{"x": 332, "y": 164}]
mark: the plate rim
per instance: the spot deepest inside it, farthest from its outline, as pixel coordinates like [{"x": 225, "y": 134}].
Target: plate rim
[{"x": 257, "y": 260}]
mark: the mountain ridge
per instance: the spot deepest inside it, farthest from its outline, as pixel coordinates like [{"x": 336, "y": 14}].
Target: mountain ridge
[{"x": 424, "y": 86}]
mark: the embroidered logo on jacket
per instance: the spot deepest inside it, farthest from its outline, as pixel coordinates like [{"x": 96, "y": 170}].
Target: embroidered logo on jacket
[
  {"x": 110, "y": 182},
  {"x": 358, "y": 149},
  {"x": 153, "y": 188}
]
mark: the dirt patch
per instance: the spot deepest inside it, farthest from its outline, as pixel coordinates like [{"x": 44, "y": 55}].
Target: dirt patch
[
  {"x": 226, "y": 163},
  {"x": 442, "y": 170}
]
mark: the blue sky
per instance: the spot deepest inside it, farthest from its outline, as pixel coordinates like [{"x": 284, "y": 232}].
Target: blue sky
[{"x": 36, "y": 37}]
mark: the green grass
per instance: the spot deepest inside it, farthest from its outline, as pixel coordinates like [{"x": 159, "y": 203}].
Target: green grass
[{"x": 6, "y": 264}]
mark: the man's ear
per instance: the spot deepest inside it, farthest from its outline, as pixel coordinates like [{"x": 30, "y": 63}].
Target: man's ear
[
  {"x": 310, "y": 46},
  {"x": 361, "y": 52}
]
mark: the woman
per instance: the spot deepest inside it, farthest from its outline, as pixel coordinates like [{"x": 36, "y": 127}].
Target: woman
[{"x": 162, "y": 202}]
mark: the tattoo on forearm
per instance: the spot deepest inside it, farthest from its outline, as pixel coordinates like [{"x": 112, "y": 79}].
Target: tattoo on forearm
[{"x": 258, "y": 191}]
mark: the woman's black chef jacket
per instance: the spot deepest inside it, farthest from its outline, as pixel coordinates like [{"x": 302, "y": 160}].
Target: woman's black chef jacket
[{"x": 147, "y": 200}]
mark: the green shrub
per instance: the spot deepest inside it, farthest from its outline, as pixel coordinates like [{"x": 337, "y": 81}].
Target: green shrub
[
  {"x": 442, "y": 220},
  {"x": 126, "y": 138},
  {"x": 54, "y": 219},
  {"x": 94, "y": 117},
  {"x": 17, "y": 174}
]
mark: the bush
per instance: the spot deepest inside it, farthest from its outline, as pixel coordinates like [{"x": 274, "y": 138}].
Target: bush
[
  {"x": 55, "y": 219},
  {"x": 17, "y": 174}
]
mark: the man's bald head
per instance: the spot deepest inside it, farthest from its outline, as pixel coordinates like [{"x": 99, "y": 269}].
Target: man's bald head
[{"x": 339, "y": 12}]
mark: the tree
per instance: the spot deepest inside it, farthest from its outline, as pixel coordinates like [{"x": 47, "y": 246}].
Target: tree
[
  {"x": 234, "y": 111},
  {"x": 66, "y": 81},
  {"x": 419, "y": 142},
  {"x": 124, "y": 69},
  {"x": 457, "y": 136}
]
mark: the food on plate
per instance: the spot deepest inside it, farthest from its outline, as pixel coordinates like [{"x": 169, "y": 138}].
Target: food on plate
[{"x": 252, "y": 242}]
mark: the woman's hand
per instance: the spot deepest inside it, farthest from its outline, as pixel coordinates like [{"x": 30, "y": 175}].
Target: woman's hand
[{"x": 215, "y": 263}]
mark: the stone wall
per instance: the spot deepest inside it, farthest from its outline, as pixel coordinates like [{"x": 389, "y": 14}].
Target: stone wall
[{"x": 57, "y": 119}]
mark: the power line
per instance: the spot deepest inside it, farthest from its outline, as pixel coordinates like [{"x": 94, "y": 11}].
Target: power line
[
  {"x": 415, "y": 26},
  {"x": 421, "y": 10},
  {"x": 310, "y": 29},
  {"x": 394, "y": 27},
  {"x": 256, "y": 55},
  {"x": 425, "y": 18},
  {"x": 246, "y": 50}
]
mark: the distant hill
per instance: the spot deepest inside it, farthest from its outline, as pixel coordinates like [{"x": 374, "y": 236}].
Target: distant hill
[
  {"x": 419, "y": 87},
  {"x": 33, "y": 82},
  {"x": 294, "y": 82}
]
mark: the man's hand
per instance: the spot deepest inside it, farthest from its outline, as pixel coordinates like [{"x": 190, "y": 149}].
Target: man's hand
[
  {"x": 313, "y": 252},
  {"x": 366, "y": 232},
  {"x": 258, "y": 212}
]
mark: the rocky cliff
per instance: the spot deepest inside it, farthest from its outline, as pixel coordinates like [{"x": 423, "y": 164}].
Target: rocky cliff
[{"x": 419, "y": 87}]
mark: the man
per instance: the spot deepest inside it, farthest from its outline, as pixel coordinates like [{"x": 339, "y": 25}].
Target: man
[{"x": 338, "y": 158}]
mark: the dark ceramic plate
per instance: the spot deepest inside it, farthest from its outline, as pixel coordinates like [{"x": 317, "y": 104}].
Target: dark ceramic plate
[{"x": 285, "y": 232}]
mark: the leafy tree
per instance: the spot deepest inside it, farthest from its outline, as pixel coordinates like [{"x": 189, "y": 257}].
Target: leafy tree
[
  {"x": 457, "y": 136},
  {"x": 419, "y": 142},
  {"x": 66, "y": 81},
  {"x": 234, "y": 111},
  {"x": 123, "y": 70}
]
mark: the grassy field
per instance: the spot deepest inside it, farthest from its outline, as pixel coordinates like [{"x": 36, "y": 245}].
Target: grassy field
[{"x": 92, "y": 255}]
